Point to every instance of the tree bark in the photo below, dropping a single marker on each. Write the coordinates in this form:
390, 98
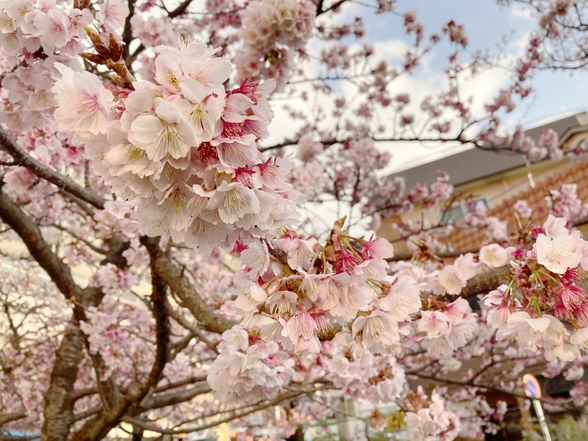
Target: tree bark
59, 400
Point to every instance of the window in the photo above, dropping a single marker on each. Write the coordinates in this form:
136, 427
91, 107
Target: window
456, 213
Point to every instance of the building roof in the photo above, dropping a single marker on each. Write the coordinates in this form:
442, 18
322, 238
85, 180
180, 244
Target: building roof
576, 173
474, 164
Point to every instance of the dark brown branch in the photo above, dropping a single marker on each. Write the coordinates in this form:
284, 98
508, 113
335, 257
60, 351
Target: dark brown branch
320, 10
193, 329
162, 328
179, 383
31, 235
86, 413
21, 157
482, 283
181, 9
84, 393
179, 283
132, 57
127, 35
164, 400
6, 418
458, 138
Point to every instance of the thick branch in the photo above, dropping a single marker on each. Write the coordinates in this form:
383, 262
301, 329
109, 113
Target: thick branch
162, 329
169, 399
31, 235
182, 7
6, 418
482, 283
193, 329
21, 157
179, 283
180, 383
127, 34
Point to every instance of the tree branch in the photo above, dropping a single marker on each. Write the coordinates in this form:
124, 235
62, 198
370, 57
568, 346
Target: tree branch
99, 426
231, 416
179, 283
487, 281
21, 157
180, 9
31, 235
127, 35
320, 10
6, 418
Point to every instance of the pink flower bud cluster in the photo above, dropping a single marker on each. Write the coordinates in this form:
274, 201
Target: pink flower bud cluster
111, 278
272, 31
478, 217
294, 289
534, 150
248, 369
34, 25
183, 150
544, 292
59, 33
389, 197
29, 102
523, 208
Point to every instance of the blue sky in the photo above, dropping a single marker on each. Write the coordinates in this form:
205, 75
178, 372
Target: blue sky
557, 93
486, 25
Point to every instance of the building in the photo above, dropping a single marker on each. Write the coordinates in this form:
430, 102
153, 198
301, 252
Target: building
498, 179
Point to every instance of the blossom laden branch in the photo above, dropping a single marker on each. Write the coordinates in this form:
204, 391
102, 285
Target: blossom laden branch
21, 157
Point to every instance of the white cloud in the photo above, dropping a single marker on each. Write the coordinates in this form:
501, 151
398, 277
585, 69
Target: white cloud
518, 12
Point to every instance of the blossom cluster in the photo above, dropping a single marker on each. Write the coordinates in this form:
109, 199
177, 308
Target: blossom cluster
447, 327
248, 369
544, 306
272, 31
294, 289
183, 150
60, 34
430, 420
378, 379
477, 417
565, 203
115, 219
154, 31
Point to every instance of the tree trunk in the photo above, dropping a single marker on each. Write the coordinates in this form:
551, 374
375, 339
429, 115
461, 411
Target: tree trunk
298, 436
58, 409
